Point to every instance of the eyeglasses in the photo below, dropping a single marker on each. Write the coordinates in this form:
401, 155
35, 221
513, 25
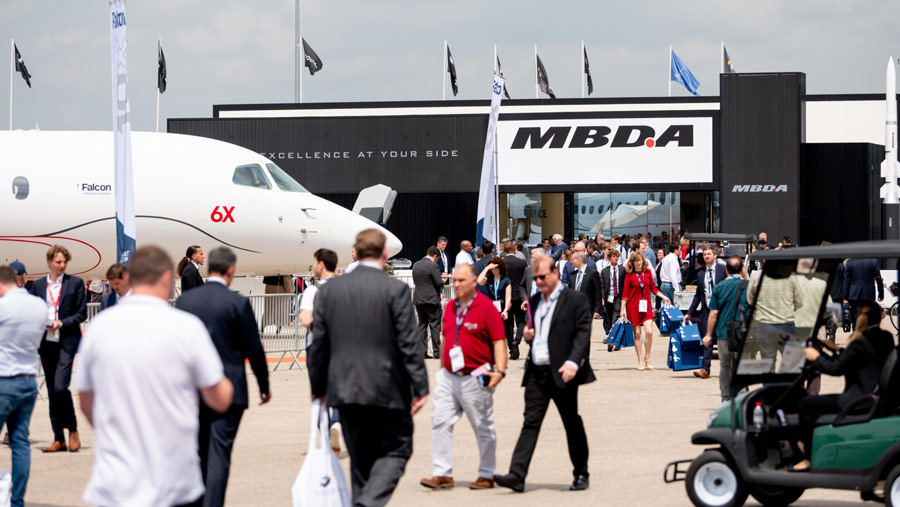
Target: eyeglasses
541, 277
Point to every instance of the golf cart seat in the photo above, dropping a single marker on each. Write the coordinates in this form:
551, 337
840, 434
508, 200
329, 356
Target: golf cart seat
883, 401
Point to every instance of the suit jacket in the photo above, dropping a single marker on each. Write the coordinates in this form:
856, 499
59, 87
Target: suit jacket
606, 281
590, 287
190, 278
109, 300
569, 339
444, 267
232, 326
366, 351
72, 309
700, 295
427, 281
860, 279
515, 270
569, 269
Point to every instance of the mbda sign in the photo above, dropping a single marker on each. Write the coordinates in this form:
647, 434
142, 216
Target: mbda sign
598, 151
759, 188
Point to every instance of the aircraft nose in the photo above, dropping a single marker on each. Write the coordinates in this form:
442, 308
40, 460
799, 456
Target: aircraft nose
394, 245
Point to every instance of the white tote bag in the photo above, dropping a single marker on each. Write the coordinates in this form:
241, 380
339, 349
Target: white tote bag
5, 488
320, 482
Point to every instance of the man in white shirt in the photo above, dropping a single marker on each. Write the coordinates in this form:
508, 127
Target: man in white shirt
353, 265
143, 367
465, 254
23, 318
670, 273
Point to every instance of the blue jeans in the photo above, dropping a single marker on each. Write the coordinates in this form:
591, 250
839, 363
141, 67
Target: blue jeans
668, 290
17, 397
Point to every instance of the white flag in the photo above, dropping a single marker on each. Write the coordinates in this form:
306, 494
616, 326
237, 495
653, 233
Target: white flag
487, 227
124, 185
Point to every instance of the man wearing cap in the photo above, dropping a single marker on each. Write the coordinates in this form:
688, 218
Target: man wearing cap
19, 268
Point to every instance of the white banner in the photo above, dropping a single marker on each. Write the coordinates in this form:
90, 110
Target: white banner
124, 185
598, 151
487, 226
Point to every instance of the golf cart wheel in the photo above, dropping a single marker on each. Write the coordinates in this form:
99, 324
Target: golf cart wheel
713, 481
775, 496
892, 488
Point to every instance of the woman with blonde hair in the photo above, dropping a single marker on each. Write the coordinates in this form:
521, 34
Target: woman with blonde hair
636, 305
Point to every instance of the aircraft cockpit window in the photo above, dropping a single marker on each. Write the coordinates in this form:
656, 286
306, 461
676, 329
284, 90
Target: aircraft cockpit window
251, 175
284, 180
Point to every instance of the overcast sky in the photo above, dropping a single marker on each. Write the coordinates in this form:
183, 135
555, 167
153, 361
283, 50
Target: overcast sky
233, 52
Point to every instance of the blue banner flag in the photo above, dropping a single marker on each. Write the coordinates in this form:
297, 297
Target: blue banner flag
486, 228
124, 185
681, 74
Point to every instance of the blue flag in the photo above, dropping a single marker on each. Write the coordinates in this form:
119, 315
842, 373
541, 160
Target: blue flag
486, 227
681, 74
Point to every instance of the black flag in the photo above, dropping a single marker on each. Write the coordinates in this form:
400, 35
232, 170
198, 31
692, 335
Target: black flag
587, 70
451, 68
161, 71
500, 71
729, 68
20, 67
313, 62
542, 78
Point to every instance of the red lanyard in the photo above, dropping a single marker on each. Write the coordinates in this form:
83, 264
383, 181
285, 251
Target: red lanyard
55, 302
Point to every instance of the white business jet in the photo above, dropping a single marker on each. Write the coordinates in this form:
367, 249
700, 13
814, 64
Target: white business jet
187, 190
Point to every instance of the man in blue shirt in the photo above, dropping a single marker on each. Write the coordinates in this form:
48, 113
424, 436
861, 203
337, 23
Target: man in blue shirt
723, 308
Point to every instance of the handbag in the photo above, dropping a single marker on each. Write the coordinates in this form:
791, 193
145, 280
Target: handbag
736, 329
320, 482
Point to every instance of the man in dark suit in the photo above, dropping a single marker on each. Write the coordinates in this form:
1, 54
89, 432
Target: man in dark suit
427, 298
118, 278
67, 309
232, 326
586, 280
443, 261
612, 283
487, 249
708, 277
861, 277
367, 361
189, 268
556, 365
515, 270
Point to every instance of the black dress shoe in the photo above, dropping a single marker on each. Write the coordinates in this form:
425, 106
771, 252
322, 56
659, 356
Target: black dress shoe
513, 482
514, 352
580, 483
609, 348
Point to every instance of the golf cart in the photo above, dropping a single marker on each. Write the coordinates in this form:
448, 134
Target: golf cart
725, 244
751, 441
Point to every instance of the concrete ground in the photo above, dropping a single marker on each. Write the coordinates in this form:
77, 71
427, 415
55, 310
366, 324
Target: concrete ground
636, 421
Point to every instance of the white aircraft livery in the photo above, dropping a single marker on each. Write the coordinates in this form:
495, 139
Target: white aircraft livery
187, 191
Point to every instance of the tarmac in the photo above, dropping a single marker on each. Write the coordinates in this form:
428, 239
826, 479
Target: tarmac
636, 422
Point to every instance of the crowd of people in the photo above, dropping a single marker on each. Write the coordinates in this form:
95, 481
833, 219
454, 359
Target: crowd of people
186, 372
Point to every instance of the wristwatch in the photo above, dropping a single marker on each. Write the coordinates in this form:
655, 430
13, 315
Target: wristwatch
502, 373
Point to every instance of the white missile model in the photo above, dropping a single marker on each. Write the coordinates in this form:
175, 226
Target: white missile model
889, 168
187, 191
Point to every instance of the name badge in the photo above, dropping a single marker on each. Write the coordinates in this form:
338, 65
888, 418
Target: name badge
497, 305
53, 336
611, 298
642, 306
456, 359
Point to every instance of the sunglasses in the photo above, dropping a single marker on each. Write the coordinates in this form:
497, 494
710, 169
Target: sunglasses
541, 277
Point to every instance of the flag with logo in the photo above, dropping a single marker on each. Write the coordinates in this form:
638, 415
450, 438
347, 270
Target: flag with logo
487, 226
500, 71
726, 60
542, 78
161, 70
311, 59
587, 71
20, 66
681, 74
126, 237
451, 68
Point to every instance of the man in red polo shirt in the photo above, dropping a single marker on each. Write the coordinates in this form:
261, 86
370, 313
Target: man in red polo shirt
474, 336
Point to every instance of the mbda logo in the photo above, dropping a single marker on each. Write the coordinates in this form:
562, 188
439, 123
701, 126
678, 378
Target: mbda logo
626, 136
759, 188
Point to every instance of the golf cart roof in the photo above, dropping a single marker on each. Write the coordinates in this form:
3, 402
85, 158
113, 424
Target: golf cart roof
860, 249
732, 238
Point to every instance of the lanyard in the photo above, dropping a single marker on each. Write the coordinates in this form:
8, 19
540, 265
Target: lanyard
460, 317
55, 302
496, 286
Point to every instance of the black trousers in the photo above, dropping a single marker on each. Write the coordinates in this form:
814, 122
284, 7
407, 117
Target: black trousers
611, 312
515, 318
57, 364
379, 441
539, 390
216, 440
810, 408
430, 318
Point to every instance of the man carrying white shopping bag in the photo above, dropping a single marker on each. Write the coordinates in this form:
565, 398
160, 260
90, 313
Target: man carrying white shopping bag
321, 481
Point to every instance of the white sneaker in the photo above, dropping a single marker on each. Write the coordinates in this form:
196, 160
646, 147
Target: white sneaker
335, 434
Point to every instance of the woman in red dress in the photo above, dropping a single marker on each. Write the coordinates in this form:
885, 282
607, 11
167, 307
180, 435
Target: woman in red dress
636, 306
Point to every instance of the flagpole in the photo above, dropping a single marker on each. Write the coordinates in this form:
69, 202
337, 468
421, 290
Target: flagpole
158, 49
536, 88
300, 71
496, 192
444, 73
298, 67
722, 58
670, 70
12, 71
582, 69
496, 70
